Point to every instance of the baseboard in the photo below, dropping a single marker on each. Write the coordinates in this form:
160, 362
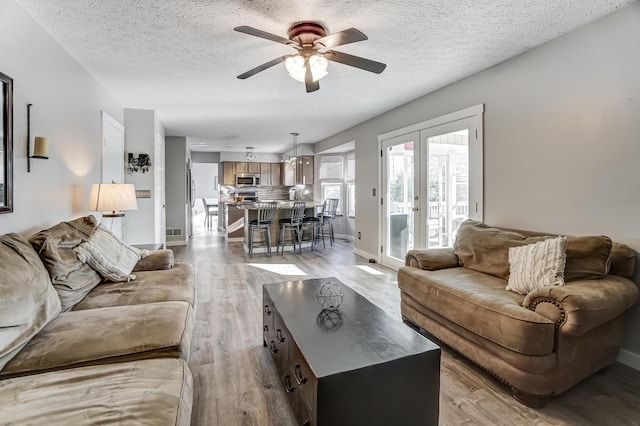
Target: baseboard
344, 237
176, 243
366, 255
629, 359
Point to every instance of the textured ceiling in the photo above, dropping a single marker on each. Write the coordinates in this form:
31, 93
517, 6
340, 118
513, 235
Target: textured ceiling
181, 57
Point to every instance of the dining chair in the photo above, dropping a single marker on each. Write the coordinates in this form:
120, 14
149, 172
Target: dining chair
294, 225
330, 214
210, 210
317, 222
266, 214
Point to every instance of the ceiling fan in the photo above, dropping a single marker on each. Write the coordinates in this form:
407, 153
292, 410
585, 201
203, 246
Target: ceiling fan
311, 41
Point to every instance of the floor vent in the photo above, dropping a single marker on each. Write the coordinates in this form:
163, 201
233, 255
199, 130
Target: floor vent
174, 231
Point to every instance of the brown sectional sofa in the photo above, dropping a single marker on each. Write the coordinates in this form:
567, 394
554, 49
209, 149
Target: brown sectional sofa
117, 355
539, 344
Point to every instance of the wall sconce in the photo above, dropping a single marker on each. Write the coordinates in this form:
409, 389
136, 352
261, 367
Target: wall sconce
140, 163
40, 144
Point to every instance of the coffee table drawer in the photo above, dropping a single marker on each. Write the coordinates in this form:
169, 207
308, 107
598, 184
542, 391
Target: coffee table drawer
282, 340
303, 376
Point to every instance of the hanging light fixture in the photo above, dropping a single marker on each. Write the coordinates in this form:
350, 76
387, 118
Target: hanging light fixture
292, 160
251, 156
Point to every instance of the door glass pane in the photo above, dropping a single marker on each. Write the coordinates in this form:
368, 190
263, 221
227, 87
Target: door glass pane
400, 199
448, 186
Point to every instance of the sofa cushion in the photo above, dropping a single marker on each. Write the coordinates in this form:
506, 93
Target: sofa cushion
486, 249
107, 335
149, 392
164, 285
537, 265
109, 256
27, 299
71, 278
479, 303
588, 258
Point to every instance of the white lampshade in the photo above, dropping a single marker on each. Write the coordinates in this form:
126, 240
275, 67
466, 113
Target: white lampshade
112, 197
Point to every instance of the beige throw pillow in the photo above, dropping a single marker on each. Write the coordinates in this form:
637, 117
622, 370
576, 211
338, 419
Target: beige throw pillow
28, 301
109, 256
537, 265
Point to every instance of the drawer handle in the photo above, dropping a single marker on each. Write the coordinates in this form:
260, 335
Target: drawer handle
273, 348
297, 372
267, 311
287, 384
279, 336
266, 328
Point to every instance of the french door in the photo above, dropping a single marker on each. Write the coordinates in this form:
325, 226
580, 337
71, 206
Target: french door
432, 181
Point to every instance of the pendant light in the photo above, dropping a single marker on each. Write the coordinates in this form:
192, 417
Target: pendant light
251, 156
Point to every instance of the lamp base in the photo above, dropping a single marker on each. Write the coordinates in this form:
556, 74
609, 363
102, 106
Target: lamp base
112, 214
115, 224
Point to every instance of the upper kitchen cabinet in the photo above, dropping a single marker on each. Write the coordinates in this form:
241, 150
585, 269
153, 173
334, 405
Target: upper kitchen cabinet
265, 174
302, 174
246, 167
276, 174
228, 173
304, 170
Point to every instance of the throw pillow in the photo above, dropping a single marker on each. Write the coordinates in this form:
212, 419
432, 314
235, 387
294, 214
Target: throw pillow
109, 256
28, 301
537, 265
71, 278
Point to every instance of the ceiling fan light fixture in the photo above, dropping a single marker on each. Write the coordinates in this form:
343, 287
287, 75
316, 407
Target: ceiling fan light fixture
297, 67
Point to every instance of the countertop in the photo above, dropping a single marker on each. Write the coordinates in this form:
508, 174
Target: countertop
281, 204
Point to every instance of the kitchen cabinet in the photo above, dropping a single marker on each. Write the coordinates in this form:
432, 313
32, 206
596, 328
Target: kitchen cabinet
289, 178
304, 170
242, 167
265, 175
247, 167
276, 174
228, 173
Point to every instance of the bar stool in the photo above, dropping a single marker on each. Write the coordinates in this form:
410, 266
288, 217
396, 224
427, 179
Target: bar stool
294, 224
317, 222
330, 214
266, 215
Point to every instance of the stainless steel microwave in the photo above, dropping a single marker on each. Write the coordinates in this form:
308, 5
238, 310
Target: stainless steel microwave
246, 179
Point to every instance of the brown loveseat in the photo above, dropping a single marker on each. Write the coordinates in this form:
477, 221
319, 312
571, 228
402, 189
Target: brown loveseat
77, 350
539, 344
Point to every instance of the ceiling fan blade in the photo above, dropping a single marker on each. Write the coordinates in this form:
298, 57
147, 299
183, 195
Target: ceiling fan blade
343, 37
355, 61
263, 34
262, 67
311, 85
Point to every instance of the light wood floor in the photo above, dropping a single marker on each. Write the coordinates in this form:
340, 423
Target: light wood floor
235, 382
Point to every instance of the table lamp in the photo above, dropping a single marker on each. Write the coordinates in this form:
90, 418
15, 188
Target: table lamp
113, 199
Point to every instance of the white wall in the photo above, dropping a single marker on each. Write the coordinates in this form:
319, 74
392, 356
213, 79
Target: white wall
176, 188
66, 109
204, 176
561, 138
140, 130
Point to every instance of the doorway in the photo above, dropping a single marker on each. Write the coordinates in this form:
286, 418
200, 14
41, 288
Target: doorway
432, 182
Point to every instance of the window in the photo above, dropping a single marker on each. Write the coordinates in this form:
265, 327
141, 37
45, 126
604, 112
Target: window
337, 180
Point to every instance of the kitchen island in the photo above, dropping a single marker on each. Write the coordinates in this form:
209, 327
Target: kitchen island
283, 210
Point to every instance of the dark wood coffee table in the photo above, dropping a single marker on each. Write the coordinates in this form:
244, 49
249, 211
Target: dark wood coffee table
352, 366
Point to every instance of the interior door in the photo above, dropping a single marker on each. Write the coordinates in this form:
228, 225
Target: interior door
112, 150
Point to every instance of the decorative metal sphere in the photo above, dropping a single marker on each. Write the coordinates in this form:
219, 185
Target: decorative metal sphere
330, 295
